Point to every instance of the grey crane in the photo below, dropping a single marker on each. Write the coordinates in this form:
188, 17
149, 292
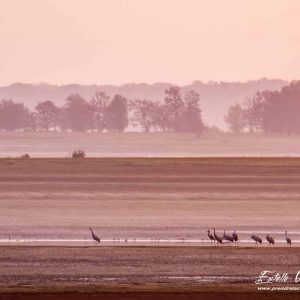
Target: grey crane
217, 238
270, 239
256, 238
227, 237
211, 237
288, 240
235, 237
95, 237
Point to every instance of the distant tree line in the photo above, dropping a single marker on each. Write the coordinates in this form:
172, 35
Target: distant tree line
77, 114
269, 112
179, 112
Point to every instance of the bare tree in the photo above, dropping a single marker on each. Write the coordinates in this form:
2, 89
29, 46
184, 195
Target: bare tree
145, 113
192, 121
161, 117
99, 104
47, 114
174, 105
253, 112
78, 113
117, 114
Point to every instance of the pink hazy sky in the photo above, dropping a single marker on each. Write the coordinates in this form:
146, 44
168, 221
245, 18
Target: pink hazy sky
115, 41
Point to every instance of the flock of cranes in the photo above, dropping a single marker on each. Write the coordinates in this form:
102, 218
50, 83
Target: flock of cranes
235, 238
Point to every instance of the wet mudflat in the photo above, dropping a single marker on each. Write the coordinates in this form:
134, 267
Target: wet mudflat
99, 269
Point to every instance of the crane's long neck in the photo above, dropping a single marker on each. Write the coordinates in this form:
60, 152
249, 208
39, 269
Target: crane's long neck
91, 230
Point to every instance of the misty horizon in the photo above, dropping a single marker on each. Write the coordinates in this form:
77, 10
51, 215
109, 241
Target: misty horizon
148, 41
215, 97
126, 83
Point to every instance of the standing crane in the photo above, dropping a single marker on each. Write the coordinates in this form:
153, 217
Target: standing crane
211, 237
217, 238
256, 238
235, 237
95, 237
270, 239
227, 237
288, 240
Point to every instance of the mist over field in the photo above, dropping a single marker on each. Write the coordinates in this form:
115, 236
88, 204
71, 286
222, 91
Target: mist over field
62, 144
266, 123
215, 97
149, 149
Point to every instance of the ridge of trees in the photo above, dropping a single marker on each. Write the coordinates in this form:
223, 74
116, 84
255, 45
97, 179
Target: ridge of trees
179, 112
268, 112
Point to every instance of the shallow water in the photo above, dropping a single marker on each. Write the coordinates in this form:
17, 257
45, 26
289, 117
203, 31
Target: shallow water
142, 241
170, 279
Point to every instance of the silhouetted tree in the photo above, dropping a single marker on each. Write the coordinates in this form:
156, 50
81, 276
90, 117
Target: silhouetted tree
192, 121
175, 114
78, 113
117, 114
281, 110
235, 118
14, 116
145, 113
161, 117
47, 115
174, 107
253, 112
99, 105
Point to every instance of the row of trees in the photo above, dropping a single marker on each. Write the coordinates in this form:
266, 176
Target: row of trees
268, 112
77, 114
178, 112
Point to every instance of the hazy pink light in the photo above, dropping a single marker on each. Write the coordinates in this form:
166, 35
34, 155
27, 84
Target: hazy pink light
115, 41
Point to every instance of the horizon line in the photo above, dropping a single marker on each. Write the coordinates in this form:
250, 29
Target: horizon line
206, 82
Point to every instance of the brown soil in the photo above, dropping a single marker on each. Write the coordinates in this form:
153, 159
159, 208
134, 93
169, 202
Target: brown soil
140, 272
150, 198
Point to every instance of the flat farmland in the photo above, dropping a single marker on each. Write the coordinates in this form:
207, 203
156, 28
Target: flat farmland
148, 197
48, 205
